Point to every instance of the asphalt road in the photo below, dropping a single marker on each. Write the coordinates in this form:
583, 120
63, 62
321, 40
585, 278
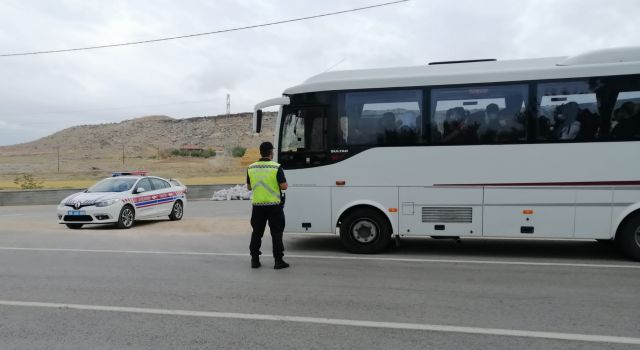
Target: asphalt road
188, 285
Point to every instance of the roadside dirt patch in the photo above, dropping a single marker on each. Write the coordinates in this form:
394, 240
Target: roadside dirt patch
228, 226
218, 226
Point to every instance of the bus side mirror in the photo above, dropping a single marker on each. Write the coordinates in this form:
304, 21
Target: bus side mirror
257, 121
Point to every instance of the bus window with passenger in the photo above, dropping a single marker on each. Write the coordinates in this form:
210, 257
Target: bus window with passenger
479, 114
380, 118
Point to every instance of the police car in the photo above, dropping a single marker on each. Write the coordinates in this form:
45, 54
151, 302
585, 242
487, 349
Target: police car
122, 199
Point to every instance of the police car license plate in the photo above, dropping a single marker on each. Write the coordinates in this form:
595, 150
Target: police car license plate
76, 212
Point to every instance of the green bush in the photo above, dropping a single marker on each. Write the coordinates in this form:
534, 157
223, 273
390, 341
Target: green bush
238, 151
179, 153
208, 153
27, 182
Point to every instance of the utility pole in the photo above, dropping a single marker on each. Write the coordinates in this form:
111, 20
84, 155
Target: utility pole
228, 105
123, 156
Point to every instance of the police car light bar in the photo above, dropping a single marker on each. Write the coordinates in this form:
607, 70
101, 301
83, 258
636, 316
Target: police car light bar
123, 173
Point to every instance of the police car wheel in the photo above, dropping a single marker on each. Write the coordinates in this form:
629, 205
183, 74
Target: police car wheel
126, 217
628, 238
74, 226
177, 212
365, 231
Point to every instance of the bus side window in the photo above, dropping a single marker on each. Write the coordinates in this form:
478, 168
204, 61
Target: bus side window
472, 115
380, 118
567, 110
625, 114
626, 120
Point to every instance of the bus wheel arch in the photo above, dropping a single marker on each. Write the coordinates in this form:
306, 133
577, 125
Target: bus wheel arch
628, 235
365, 229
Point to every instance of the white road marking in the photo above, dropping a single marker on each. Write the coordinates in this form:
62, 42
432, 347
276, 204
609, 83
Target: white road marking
337, 322
336, 257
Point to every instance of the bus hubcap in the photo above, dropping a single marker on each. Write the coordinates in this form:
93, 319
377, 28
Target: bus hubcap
364, 231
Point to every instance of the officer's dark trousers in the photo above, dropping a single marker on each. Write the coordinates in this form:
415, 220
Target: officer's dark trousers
260, 215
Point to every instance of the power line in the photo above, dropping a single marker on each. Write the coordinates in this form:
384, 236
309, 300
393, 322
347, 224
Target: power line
335, 65
206, 33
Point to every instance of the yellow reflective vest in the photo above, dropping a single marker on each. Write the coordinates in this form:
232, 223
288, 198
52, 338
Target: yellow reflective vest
264, 183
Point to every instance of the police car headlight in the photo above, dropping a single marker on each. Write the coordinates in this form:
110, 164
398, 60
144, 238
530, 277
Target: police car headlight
107, 203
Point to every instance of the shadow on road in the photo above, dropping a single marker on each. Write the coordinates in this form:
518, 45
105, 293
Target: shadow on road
473, 248
140, 223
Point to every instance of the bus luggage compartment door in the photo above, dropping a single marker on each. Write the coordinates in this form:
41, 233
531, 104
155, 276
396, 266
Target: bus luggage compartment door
529, 212
440, 211
307, 209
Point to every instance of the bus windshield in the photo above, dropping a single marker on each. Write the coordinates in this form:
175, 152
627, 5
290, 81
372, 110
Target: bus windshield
303, 135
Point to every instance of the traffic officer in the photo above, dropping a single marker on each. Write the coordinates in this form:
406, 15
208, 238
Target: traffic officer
267, 181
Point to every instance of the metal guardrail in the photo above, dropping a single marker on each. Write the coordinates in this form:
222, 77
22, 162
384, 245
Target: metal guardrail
43, 197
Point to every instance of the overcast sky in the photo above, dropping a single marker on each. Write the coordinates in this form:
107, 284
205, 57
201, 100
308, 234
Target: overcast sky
191, 77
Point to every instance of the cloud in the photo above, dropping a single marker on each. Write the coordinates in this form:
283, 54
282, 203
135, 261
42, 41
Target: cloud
10, 126
12, 133
46, 93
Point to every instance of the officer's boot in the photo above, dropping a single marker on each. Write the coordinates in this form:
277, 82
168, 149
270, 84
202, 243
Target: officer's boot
255, 262
280, 264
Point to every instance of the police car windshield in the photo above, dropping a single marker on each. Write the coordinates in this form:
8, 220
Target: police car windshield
113, 185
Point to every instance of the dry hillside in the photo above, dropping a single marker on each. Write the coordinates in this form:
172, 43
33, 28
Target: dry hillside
149, 134
88, 151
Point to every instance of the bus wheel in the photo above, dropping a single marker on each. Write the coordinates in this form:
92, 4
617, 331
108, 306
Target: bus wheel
628, 239
365, 231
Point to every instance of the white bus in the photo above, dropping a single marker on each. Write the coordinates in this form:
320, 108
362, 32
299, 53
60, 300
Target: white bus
528, 148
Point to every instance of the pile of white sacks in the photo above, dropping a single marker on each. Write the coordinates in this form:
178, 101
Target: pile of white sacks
233, 193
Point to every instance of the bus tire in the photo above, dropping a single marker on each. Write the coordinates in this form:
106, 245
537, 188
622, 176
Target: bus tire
74, 226
126, 218
177, 211
365, 231
628, 238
